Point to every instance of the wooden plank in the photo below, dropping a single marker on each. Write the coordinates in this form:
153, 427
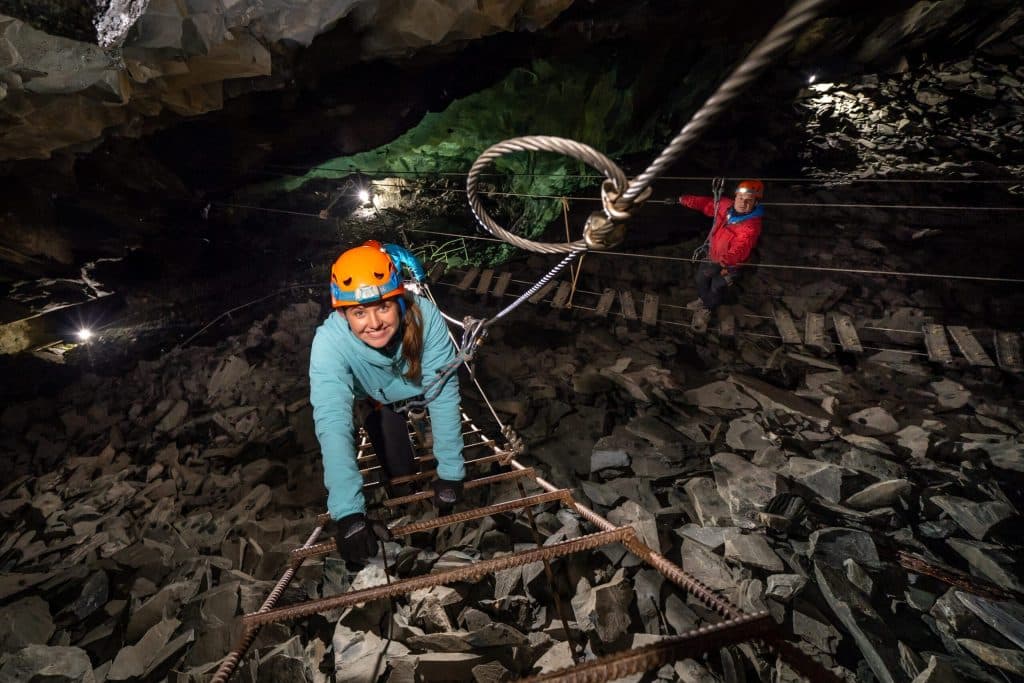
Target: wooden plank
562, 295
436, 271
970, 346
468, 278
503, 280
814, 332
787, 328
726, 321
1008, 351
485, 282
626, 301
936, 343
539, 295
604, 304
649, 316
847, 333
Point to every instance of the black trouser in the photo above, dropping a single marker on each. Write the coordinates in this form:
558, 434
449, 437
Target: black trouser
389, 434
711, 286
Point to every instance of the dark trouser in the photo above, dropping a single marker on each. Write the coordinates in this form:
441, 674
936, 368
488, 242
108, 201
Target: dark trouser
389, 434
711, 286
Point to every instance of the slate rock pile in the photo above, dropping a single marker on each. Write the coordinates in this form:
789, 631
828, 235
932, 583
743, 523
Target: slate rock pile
932, 121
796, 492
150, 511
142, 513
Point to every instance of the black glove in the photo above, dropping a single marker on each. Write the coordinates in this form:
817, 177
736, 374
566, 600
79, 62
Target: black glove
447, 493
357, 537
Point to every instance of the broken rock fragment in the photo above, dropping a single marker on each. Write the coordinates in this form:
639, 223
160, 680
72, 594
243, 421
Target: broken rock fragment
745, 487
604, 608
50, 664
874, 421
974, 518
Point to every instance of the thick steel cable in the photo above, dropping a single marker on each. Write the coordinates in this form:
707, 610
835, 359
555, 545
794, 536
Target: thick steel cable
778, 39
537, 143
573, 255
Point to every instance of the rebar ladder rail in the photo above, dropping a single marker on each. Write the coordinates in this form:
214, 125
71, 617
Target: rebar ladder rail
735, 627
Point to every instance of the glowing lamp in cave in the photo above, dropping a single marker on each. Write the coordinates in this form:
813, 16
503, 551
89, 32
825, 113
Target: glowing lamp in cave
812, 78
364, 196
84, 334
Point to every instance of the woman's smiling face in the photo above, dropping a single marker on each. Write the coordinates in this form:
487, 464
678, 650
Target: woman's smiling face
375, 324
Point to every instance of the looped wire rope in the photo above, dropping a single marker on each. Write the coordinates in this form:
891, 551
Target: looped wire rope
628, 194
539, 143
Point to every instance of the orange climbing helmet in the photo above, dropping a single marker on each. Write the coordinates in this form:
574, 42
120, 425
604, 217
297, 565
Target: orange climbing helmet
364, 274
754, 187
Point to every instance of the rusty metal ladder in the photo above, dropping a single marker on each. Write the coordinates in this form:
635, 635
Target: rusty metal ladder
735, 627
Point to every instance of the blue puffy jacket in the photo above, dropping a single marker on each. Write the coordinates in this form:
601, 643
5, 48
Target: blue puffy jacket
342, 369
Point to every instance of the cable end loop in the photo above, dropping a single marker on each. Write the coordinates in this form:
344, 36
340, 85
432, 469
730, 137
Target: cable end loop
608, 229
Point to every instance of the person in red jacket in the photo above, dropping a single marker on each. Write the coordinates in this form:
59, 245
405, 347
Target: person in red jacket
733, 236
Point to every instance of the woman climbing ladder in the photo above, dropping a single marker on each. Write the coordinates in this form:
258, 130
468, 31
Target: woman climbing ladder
377, 346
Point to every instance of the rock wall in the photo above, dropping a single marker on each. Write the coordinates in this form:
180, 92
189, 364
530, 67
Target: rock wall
59, 91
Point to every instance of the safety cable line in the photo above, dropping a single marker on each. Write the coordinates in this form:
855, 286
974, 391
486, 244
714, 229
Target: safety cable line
673, 202
857, 271
590, 176
512, 174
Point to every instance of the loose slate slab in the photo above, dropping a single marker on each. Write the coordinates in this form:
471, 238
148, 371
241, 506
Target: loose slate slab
875, 641
25, 622
847, 333
873, 421
974, 518
745, 487
1005, 617
774, 399
721, 394
752, 549
969, 346
42, 663
988, 560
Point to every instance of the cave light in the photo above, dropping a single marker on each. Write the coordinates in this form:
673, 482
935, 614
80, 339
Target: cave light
811, 78
84, 334
364, 196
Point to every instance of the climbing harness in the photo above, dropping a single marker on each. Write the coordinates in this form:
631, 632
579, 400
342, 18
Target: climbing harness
701, 252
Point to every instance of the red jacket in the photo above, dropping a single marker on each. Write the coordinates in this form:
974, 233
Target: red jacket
732, 237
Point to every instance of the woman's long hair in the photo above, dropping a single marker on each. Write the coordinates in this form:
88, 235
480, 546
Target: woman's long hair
412, 339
